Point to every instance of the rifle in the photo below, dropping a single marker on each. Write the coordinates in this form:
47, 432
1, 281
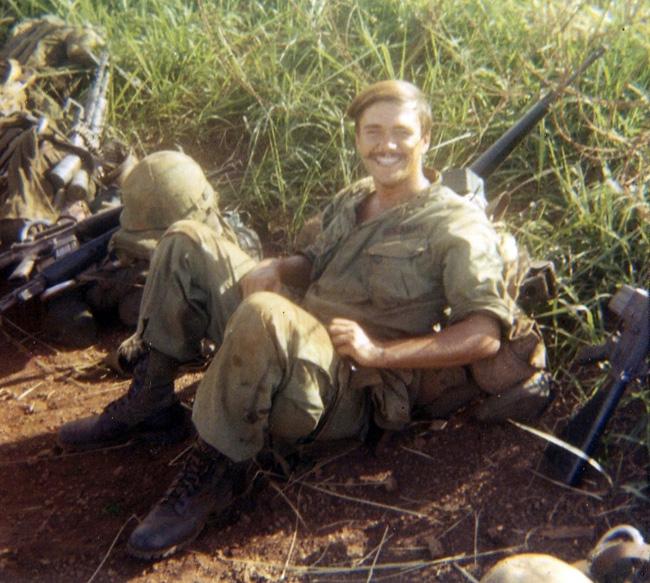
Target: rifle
56, 241
626, 351
60, 272
539, 284
86, 131
469, 181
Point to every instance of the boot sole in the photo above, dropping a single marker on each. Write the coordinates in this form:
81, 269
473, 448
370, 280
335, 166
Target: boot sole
162, 553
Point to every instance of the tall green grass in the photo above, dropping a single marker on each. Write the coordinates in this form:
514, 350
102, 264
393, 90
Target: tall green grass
257, 90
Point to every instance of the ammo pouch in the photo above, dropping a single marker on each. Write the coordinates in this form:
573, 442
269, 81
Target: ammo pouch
521, 355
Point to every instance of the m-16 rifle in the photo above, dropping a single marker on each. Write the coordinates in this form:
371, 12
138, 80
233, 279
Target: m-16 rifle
469, 181
60, 272
86, 133
53, 243
627, 351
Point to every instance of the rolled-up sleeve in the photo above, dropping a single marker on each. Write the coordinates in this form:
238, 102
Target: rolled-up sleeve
473, 271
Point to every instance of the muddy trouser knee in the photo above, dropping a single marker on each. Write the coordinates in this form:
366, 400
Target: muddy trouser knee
192, 289
275, 375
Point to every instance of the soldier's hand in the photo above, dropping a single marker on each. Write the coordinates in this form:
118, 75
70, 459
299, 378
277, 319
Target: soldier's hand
349, 339
265, 276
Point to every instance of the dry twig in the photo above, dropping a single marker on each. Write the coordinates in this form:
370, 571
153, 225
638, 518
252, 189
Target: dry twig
374, 561
290, 553
110, 549
289, 503
367, 502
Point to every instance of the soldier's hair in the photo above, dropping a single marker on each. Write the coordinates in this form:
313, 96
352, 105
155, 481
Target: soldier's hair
396, 92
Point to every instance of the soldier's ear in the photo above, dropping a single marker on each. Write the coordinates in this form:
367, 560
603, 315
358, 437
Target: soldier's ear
427, 142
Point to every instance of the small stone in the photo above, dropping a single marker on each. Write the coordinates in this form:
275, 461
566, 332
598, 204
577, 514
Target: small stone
434, 546
419, 442
390, 484
438, 424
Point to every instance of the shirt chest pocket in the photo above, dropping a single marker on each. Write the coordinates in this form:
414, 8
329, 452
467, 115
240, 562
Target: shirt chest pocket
398, 272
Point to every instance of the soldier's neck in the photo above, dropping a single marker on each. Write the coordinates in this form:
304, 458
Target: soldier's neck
387, 197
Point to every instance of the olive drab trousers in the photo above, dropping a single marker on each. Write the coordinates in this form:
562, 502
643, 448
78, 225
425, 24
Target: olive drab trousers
276, 373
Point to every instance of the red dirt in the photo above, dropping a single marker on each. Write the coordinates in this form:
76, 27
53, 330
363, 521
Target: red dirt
422, 505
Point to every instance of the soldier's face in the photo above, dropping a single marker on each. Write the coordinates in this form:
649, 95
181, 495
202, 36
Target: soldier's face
390, 142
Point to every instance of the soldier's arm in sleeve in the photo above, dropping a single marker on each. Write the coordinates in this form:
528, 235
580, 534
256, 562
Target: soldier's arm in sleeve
473, 338
473, 283
295, 271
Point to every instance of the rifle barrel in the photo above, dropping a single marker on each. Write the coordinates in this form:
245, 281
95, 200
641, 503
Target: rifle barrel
492, 158
96, 89
73, 263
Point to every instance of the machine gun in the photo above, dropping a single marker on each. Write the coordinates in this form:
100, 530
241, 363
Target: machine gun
86, 132
60, 272
469, 181
54, 242
626, 350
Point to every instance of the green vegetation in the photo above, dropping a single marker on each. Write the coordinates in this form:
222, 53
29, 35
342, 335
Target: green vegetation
257, 92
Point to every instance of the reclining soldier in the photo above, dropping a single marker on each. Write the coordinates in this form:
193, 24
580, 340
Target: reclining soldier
404, 289
163, 188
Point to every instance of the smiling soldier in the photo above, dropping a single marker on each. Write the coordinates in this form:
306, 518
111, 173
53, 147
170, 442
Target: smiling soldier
399, 255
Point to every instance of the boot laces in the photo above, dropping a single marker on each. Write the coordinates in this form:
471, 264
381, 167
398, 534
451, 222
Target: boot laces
125, 401
198, 468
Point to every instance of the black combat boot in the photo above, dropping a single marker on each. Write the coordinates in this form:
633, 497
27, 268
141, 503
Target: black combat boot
207, 483
149, 410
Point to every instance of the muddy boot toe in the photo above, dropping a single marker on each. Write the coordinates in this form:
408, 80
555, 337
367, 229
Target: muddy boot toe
206, 483
149, 408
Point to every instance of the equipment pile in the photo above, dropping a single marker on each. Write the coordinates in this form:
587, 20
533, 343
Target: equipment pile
62, 185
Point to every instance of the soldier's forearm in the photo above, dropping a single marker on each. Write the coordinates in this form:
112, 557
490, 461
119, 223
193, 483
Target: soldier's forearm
475, 338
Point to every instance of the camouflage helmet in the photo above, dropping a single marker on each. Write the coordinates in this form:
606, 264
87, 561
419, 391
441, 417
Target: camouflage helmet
163, 188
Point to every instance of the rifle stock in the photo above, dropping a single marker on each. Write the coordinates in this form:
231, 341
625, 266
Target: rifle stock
627, 359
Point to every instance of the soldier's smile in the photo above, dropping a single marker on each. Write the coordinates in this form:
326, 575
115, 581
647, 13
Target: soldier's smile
390, 142
386, 160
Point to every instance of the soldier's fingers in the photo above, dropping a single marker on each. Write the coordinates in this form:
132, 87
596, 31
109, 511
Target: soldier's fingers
341, 321
344, 350
340, 326
337, 338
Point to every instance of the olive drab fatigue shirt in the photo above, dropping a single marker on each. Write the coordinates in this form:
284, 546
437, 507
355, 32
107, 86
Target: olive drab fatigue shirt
430, 261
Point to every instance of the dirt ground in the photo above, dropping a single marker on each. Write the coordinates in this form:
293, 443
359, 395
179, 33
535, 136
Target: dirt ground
440, 502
